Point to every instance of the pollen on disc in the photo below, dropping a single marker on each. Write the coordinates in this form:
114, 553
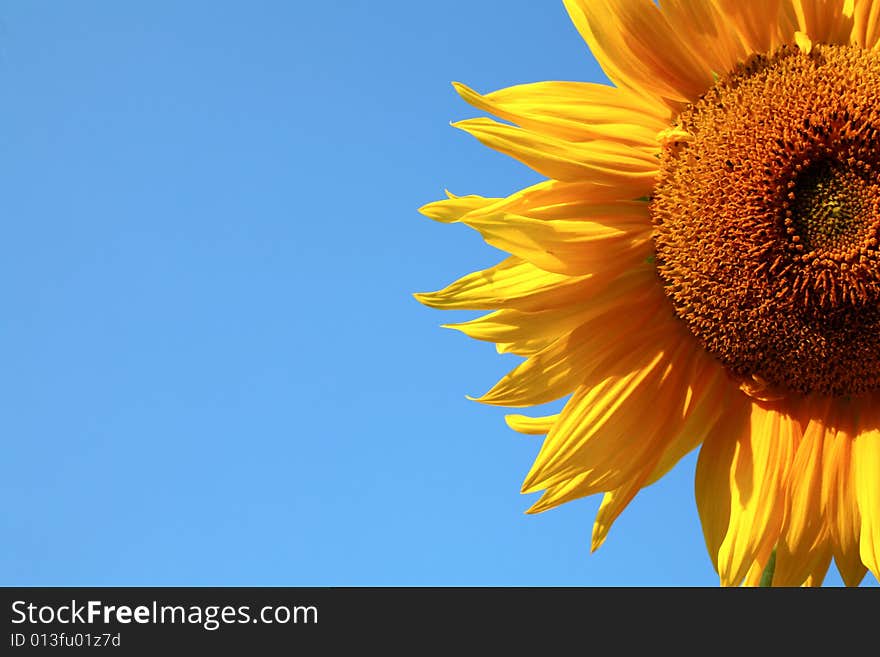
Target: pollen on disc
767, 218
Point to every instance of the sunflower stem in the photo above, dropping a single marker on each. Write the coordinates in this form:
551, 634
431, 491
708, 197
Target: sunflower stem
769, 569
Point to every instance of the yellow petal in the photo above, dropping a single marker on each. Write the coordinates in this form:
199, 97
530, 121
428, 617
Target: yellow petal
512, 283
553, 199
802, 543
866, 475
804, 521
755, 575
741, 488
453, 209
711, 484
707, 31
549, 200
798, 568
561, 493
528, 332
556, 370
839, 505
817, 575
531, 426
701, 405
761, 25
602, 161
613, 504
568, 246
514, 326
850, 567
639, 50
550, 374
825, 21
816, 570
526, 347
803, 42
603, 433
710, 391
574, 111
866, 23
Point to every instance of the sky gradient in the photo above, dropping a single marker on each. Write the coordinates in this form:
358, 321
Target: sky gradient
214, 372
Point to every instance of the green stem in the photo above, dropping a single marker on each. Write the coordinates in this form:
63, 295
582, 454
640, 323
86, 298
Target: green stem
769, 569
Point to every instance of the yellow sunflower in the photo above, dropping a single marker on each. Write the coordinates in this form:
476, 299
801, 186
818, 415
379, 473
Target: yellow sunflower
702, 268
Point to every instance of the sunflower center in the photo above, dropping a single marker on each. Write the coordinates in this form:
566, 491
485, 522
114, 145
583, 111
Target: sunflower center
767, 218
831, 204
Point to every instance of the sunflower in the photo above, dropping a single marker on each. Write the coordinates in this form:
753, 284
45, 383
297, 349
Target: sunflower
701, 269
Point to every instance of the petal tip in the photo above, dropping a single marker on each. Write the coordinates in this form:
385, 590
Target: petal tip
427, 299
803, 42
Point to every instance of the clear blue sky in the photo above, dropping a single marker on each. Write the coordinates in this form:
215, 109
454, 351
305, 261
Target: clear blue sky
213, 369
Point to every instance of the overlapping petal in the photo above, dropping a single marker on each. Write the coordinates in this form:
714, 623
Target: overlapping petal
866, 475
454, 208
512, 326
602, 434
569, 359
708, 32
866, 24
575, 111
607, 162
825, 21
761, 26
639, 50
706, 396
741, 487
569, 246
838, 501
804, 543
512, 283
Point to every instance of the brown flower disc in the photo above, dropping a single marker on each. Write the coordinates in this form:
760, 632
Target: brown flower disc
767, 214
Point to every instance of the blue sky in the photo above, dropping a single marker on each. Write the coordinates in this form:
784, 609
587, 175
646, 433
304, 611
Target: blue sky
213, 370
